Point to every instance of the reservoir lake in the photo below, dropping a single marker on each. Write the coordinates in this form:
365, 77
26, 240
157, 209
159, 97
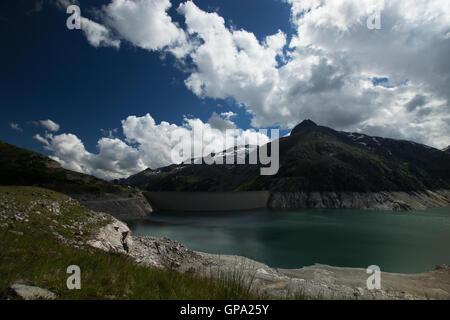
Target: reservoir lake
401, 242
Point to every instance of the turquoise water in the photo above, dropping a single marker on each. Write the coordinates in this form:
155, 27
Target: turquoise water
405, 242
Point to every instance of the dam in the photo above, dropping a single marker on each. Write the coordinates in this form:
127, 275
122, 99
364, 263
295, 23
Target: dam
207, 201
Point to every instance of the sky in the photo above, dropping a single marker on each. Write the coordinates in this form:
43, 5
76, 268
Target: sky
106, 99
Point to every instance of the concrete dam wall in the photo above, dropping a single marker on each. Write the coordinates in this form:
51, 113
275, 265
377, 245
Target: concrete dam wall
207, 201
122, 207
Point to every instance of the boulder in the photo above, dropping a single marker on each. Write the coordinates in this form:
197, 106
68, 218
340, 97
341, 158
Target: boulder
114, 237
32, 293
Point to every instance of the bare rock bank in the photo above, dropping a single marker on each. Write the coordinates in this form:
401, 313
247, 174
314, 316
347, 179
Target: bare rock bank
313, 282
114, 237
388, 200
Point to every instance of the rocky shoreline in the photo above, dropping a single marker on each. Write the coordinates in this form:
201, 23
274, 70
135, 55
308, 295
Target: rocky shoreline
313, 282
137, 206
386, 200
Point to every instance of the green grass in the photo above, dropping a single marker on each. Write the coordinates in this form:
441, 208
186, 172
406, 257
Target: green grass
185, 182
38, 258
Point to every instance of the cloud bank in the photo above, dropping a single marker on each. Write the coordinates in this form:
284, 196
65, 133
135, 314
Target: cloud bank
325, 72
146, 144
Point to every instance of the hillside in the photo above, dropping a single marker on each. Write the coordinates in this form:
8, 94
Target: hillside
316, 159
43, 232
22, 167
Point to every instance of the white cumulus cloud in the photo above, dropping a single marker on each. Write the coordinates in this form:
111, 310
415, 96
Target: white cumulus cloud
328, 70
97, 34
147, 144
144, 23
325, 72
49, 125
15, 126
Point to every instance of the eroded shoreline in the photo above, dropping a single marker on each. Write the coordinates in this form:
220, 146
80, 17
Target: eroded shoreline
384, 200
312, 282
140, 205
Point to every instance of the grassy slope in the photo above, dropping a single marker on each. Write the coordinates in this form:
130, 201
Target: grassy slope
38, 258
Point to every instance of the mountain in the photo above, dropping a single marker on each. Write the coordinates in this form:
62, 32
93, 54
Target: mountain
239, 153
198, 177
316, 159
322, 167
446, 149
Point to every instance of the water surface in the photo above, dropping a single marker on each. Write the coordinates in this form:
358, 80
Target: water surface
405, 242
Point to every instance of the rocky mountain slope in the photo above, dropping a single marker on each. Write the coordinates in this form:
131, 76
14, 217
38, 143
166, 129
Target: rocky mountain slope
21, 167
322, 167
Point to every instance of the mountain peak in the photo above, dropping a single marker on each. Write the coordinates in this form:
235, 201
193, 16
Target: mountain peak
304, 124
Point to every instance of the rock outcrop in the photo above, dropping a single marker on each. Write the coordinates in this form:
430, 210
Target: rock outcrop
114, 237
166, 253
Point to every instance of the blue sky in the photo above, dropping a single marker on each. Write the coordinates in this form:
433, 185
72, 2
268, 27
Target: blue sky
50, 72
216, 64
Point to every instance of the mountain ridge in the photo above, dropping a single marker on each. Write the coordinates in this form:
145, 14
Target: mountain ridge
316, 159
